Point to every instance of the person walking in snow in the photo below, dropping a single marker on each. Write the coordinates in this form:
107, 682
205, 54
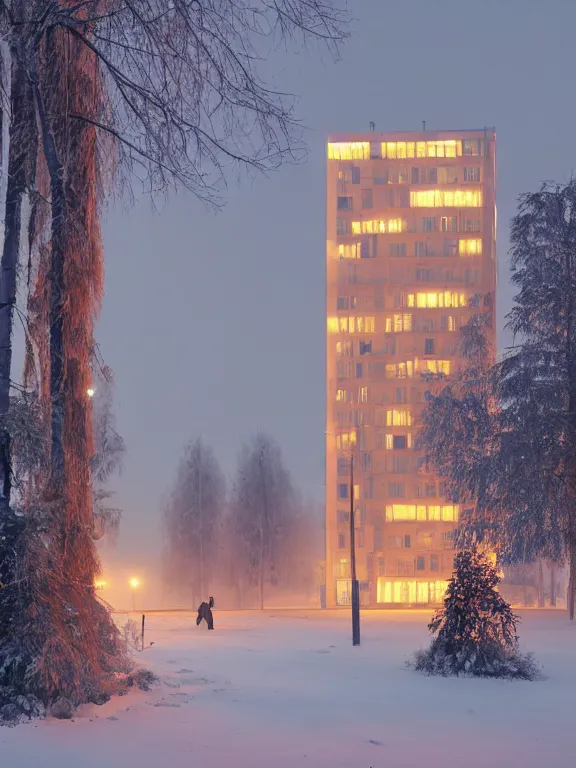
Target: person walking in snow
205, 612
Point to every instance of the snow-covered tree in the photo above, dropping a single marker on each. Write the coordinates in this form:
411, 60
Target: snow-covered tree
475, 631
505, 435
192, 521
264, 510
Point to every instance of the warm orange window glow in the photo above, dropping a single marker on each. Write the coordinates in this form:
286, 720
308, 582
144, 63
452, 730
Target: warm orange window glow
400, 370
378, 227
398, 417
447, 513
470, 247
410, 591
349, 251
393, 150
434, 299
398, 323
351, 324
446, 198
345, 440
349, 150
433, 366
342, 395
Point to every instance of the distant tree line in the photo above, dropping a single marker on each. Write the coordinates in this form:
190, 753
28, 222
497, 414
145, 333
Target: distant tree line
251, 541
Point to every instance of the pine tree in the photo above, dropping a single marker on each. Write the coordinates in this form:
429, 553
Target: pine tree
475, 631
504, 435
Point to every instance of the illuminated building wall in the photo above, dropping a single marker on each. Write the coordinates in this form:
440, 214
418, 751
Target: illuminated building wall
411, 224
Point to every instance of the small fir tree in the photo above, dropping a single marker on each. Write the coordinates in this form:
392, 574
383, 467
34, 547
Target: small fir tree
475, 631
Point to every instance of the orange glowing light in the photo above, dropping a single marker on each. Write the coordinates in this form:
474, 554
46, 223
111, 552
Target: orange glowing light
134, 583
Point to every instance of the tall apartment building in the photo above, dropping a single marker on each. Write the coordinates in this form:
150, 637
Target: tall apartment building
411, 254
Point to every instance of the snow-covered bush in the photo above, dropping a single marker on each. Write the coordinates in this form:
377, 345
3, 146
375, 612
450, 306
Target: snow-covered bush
475, 631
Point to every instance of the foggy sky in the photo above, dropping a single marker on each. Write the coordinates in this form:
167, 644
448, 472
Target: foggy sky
214, 324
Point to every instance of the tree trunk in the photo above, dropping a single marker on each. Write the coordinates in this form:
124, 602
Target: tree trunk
571, 596
18, 153
552, 584
540, 583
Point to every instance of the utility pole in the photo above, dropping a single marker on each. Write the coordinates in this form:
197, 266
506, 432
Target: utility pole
354, 580
201, 522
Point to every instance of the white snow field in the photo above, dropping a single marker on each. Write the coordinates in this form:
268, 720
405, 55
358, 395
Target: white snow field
282, 689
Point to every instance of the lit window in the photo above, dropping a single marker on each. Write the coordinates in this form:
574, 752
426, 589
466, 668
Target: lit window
345, 440
363, 394
398, 323
446, 198
342, 395
400, 512
437, 299
349, 150
375, 227
470, 247
349, 250
434, 366
333, 325
398, 417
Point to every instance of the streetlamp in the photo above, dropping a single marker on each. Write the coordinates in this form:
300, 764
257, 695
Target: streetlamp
134, 583
90, 392
354, 580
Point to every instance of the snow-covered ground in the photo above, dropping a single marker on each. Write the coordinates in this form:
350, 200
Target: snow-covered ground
286, 689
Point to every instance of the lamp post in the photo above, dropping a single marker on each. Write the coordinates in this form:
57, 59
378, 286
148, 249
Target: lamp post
354, 580
134, 584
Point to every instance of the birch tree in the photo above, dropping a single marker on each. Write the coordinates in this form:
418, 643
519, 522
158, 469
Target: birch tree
192, 523
105, 91
265, 510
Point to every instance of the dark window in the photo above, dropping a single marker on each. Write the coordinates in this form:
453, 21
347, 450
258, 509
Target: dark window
449, 223
358, 370
375, 150
343, 516
399, 442
428, 346
428, 224
342, 226
381, 566
343, 302
343, 468
397, 249
366, 198
471, 174
360, 537
341, 541
355, 175
420, 563
433, 176
378, 539
343, 490
450, 245
420, 249
415, 175
407, 542
434, 565
365, 347
344, 203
